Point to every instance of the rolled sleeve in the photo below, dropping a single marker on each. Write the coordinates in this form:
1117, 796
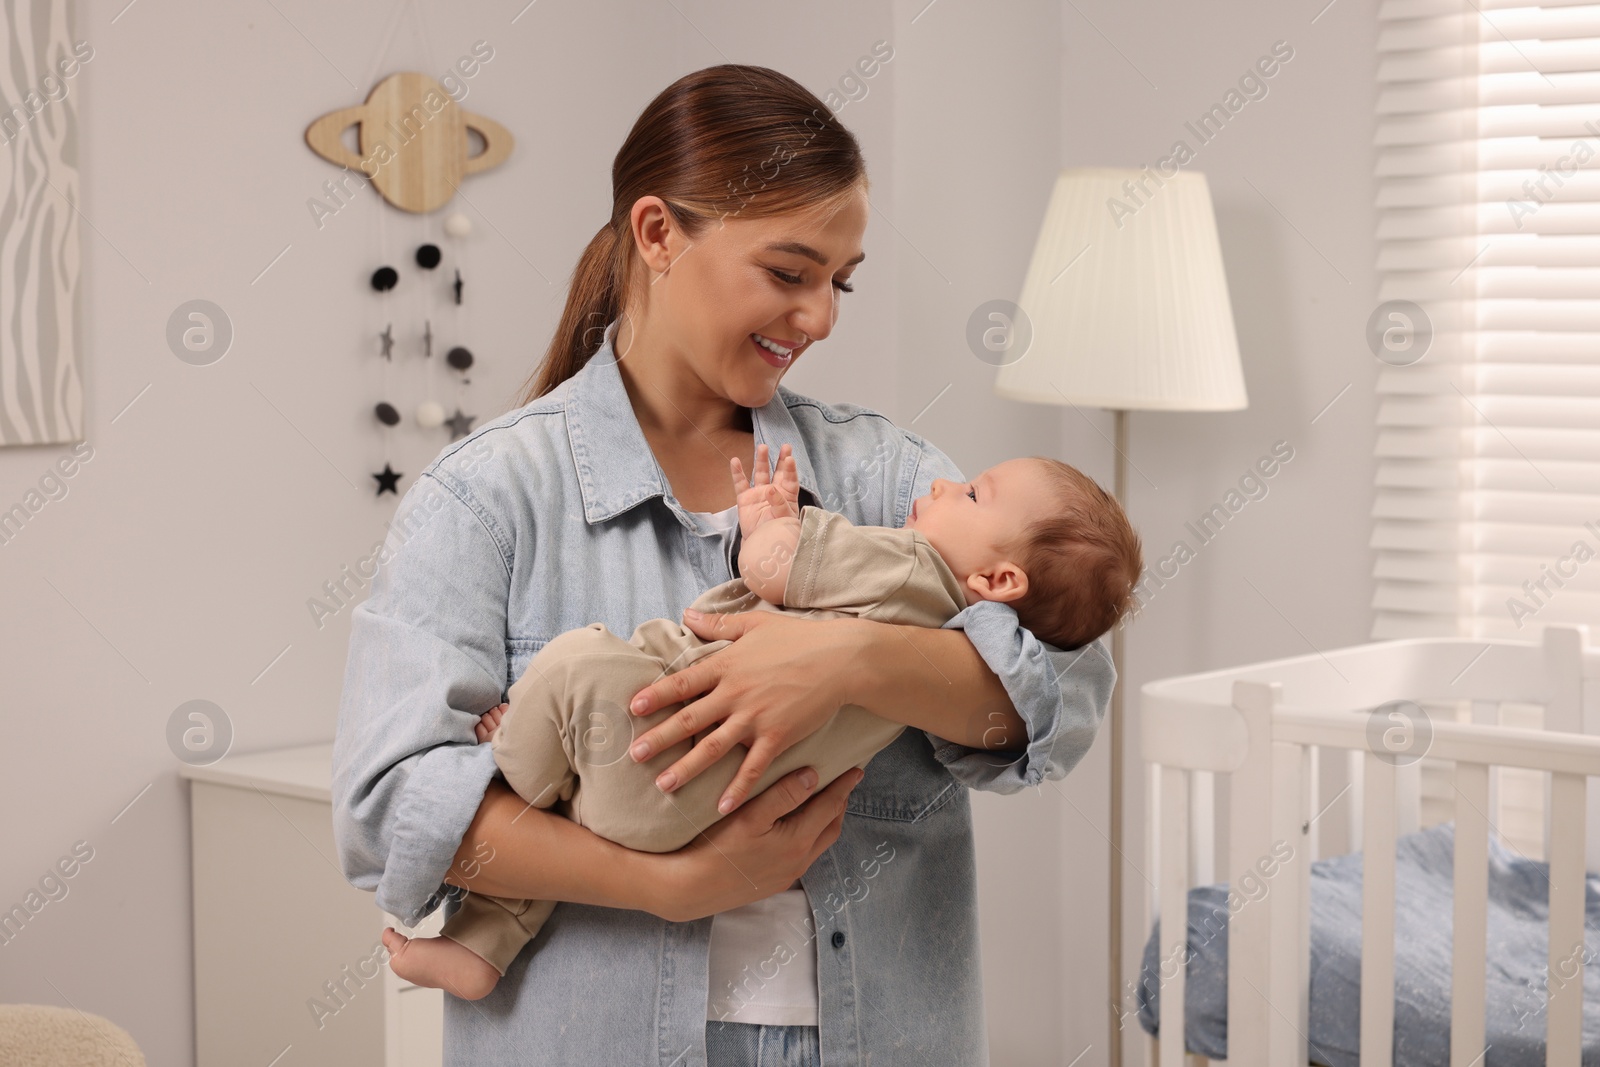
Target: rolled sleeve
427, 656
1061, 695
442, 793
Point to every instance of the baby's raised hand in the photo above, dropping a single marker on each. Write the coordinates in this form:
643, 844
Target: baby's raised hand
768, 496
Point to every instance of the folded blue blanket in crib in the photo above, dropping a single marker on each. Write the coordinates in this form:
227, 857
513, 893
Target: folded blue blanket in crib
1517, 964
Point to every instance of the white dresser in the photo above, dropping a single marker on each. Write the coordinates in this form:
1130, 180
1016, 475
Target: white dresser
288, 964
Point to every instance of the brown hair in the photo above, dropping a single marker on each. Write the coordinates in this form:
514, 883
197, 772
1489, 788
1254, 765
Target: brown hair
705, 146
1082, 561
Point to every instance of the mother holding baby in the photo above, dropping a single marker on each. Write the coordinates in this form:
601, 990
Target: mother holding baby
830, 922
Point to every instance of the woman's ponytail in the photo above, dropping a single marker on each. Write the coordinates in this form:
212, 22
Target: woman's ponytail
594, 299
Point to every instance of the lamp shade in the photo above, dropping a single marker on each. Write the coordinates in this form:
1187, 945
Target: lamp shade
1127, 298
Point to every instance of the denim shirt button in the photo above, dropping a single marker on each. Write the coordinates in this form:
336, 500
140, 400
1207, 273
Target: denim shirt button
838, 938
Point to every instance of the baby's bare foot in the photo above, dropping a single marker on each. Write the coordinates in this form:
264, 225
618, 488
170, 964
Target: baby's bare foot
440, 963
489, 722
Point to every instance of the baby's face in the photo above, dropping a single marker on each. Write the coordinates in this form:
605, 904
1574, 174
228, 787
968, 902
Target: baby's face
970, 523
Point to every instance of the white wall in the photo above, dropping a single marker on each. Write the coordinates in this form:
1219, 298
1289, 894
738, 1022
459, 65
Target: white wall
223, 497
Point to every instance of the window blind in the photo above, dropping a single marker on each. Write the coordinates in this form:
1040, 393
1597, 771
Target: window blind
1486, 516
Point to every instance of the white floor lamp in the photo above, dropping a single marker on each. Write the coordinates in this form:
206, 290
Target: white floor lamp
1128, 309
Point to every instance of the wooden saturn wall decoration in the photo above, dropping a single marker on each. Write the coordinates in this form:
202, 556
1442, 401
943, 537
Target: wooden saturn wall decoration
415, 153
421, 173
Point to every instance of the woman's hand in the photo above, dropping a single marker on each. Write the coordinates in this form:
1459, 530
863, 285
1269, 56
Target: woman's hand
758, 851
777, 684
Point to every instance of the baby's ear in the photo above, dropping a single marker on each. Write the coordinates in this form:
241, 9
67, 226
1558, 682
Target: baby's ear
1003, 582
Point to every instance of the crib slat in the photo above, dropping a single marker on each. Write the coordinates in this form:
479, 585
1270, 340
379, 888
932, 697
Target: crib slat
1377, 913
1357, 817
1312, 840
1149, 1054
1470, 906
1251, 1019
1408, 797
1305, 856
1202, 820
1564, 1014
1286, 867
1487, 713
1171, 963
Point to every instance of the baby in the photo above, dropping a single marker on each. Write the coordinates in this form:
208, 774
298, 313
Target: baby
1032, 532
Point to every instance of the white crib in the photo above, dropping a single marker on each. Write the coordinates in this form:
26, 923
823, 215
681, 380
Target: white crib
1262, 726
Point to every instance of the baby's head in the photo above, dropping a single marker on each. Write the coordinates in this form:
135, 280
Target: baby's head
1041, 536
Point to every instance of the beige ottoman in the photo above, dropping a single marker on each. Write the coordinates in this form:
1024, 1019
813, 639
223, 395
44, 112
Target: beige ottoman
33, 1035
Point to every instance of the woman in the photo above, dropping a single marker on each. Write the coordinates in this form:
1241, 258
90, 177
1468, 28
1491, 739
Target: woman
788, 932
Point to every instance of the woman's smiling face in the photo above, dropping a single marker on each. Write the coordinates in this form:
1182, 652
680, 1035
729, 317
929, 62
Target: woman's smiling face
779, 279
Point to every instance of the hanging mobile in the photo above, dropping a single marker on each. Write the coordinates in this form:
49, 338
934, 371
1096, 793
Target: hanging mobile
460, 424
426, 179
384, 279
430, 414
388, 479
458, 225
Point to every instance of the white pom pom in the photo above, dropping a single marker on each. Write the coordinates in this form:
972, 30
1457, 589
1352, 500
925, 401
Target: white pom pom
457, 225
430, 413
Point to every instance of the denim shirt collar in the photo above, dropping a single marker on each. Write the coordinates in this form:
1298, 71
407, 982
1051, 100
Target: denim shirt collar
616, 468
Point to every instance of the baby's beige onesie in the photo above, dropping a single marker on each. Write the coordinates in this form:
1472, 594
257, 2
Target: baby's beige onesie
564, 740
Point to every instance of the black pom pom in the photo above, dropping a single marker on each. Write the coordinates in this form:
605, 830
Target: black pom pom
459, 358
384, 278
386, 413
428, 257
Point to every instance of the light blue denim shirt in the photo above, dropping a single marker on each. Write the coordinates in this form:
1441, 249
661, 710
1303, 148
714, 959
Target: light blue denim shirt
556, 515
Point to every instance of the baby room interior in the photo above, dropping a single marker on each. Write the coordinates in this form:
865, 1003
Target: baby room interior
1307, 289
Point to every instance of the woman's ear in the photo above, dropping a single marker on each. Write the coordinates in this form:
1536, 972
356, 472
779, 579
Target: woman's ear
1003, 582
653, 231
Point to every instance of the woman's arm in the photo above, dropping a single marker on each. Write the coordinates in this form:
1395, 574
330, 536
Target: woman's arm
1045, 716
415, 804
513, 849
934, 680
408, 773
783, 678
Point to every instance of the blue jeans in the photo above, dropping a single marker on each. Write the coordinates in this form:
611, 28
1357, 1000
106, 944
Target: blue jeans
760, 1045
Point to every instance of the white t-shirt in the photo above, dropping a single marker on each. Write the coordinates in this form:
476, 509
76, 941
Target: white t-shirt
762, 966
